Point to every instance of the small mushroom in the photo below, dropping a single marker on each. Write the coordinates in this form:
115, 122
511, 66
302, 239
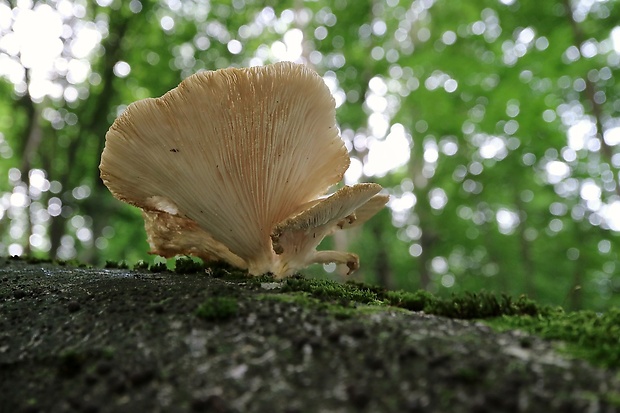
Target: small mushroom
233, 165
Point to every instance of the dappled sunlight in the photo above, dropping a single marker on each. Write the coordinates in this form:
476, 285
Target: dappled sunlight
385, 155
51, 44
507, 220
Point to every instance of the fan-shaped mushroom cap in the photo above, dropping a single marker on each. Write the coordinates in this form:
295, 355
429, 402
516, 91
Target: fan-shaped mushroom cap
219, 161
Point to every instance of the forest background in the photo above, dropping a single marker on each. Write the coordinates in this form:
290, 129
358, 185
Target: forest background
493, 124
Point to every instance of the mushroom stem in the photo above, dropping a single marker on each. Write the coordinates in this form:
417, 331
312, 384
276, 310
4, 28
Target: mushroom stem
338, 257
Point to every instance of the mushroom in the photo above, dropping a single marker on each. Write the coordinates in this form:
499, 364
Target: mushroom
233, 165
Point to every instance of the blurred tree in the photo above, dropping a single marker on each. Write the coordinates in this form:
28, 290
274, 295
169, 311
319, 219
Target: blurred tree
493, 124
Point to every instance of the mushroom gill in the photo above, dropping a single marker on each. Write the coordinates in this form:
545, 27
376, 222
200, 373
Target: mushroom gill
232, 164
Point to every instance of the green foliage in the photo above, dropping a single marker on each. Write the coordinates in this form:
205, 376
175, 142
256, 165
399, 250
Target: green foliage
218, 308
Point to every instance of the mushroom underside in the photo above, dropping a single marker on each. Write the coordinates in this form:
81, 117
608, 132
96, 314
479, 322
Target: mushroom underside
236, 150
232, 164
170, 235
293, 241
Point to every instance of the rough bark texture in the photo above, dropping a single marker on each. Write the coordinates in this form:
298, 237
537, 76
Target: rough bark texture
88, 340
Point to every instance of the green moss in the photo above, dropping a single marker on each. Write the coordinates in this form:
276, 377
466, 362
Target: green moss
218, 308
108, 352
285, 298
613, 398
329, 290
38, 260
482, 305
71, 362
158, 267
414, 301
32, 259
141, 266
304, 300
186, 265
337, 310
121, 265
467, 306
221, 269
588, 335
466, 374
266, 278
72, 263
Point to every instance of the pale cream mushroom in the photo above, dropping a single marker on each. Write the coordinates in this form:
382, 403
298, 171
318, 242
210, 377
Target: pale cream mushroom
232, 164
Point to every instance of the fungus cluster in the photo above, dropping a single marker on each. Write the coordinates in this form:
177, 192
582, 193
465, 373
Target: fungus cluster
234, 165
